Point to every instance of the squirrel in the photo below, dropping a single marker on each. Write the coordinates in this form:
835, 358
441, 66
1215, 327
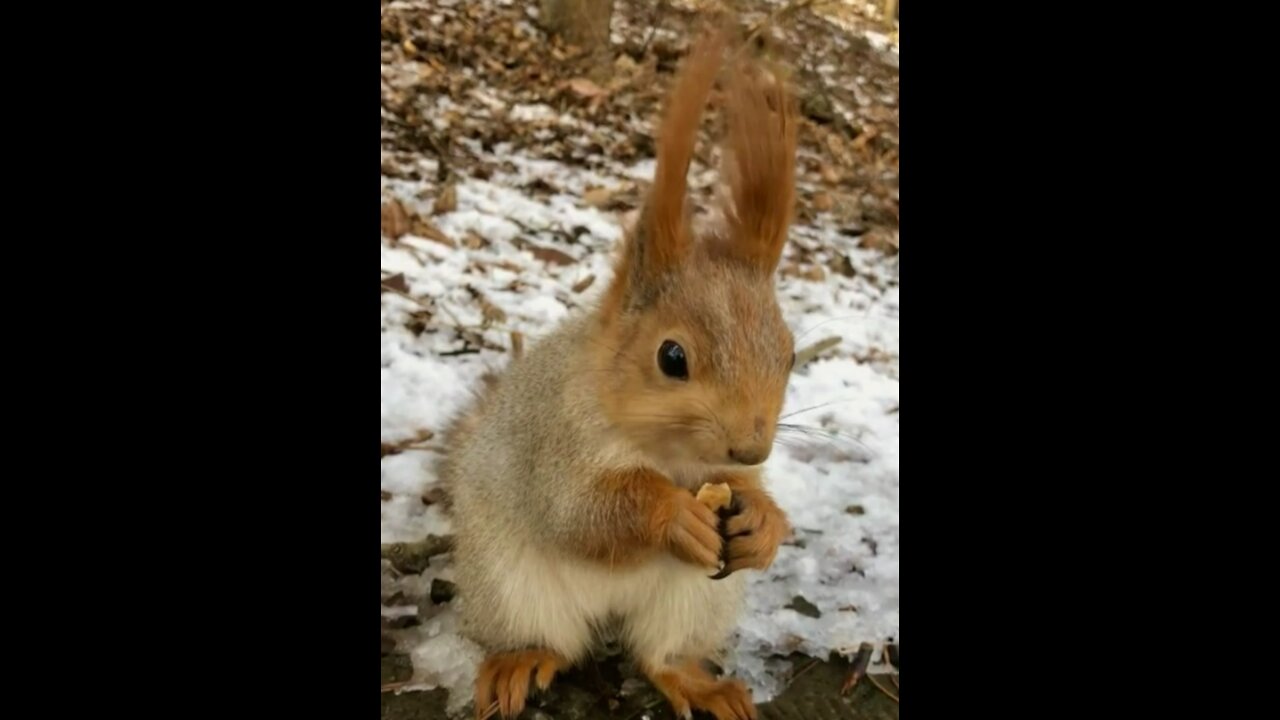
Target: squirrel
571, 476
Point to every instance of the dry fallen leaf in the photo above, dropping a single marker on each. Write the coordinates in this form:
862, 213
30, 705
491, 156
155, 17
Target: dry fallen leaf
447, 202
822, 202
550, 255
426, 230
395, 220
584, 283
597, 197
585, 88
879, 240
395, 282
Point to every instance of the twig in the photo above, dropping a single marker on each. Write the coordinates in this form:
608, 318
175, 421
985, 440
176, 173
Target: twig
493, 710
654, 20
390, 687
406, 296
464, 350
883, 689
802, 671
807, 354
859, 667
894, 678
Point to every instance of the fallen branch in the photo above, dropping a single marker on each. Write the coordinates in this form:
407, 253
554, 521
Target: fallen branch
881, 688
859, 667
392, 687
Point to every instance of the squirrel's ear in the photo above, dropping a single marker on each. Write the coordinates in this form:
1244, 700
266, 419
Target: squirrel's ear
759, 165
661, 239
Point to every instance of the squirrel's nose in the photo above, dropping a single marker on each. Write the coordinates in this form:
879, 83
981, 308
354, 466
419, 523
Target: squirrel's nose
750, 455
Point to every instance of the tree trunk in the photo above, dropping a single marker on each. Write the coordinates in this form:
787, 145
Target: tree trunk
584, 23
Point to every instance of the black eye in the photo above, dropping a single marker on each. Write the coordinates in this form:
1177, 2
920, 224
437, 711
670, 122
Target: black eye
671, 361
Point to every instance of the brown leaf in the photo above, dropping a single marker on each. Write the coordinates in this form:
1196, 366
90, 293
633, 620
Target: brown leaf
585, 88
801, 605
597, 197
830, 175
822, 202
424, 229
491, 313
879, 240
418, 321
447, 202
541, 186
517, 344
584, 283
860, 143
550, 254
434, 496
395, 220
625, 64
395, 282
473, 241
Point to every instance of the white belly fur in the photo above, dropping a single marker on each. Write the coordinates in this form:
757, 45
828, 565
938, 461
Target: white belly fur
670, 611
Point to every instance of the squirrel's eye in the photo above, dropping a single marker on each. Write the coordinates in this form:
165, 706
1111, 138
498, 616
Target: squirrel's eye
671, 361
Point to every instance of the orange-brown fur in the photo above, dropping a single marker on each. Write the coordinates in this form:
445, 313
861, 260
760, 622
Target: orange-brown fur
506, 677
649, 515
757, 530
690, 686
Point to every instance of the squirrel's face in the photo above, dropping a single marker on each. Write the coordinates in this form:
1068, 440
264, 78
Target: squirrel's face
693, 357
699, 376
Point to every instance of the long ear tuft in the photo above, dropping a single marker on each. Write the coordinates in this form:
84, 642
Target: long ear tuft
760, 165
661, 239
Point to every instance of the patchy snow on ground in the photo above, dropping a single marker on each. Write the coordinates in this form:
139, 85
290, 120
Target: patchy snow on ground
837, 479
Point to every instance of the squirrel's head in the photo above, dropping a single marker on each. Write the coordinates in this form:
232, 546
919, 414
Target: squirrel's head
693, 355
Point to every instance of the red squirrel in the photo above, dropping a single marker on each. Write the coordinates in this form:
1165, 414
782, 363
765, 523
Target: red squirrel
572, 475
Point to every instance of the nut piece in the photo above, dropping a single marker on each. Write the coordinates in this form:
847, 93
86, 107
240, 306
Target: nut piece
715, 496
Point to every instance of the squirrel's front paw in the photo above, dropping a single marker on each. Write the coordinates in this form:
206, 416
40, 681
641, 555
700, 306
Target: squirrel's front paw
754, 533
690, 530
